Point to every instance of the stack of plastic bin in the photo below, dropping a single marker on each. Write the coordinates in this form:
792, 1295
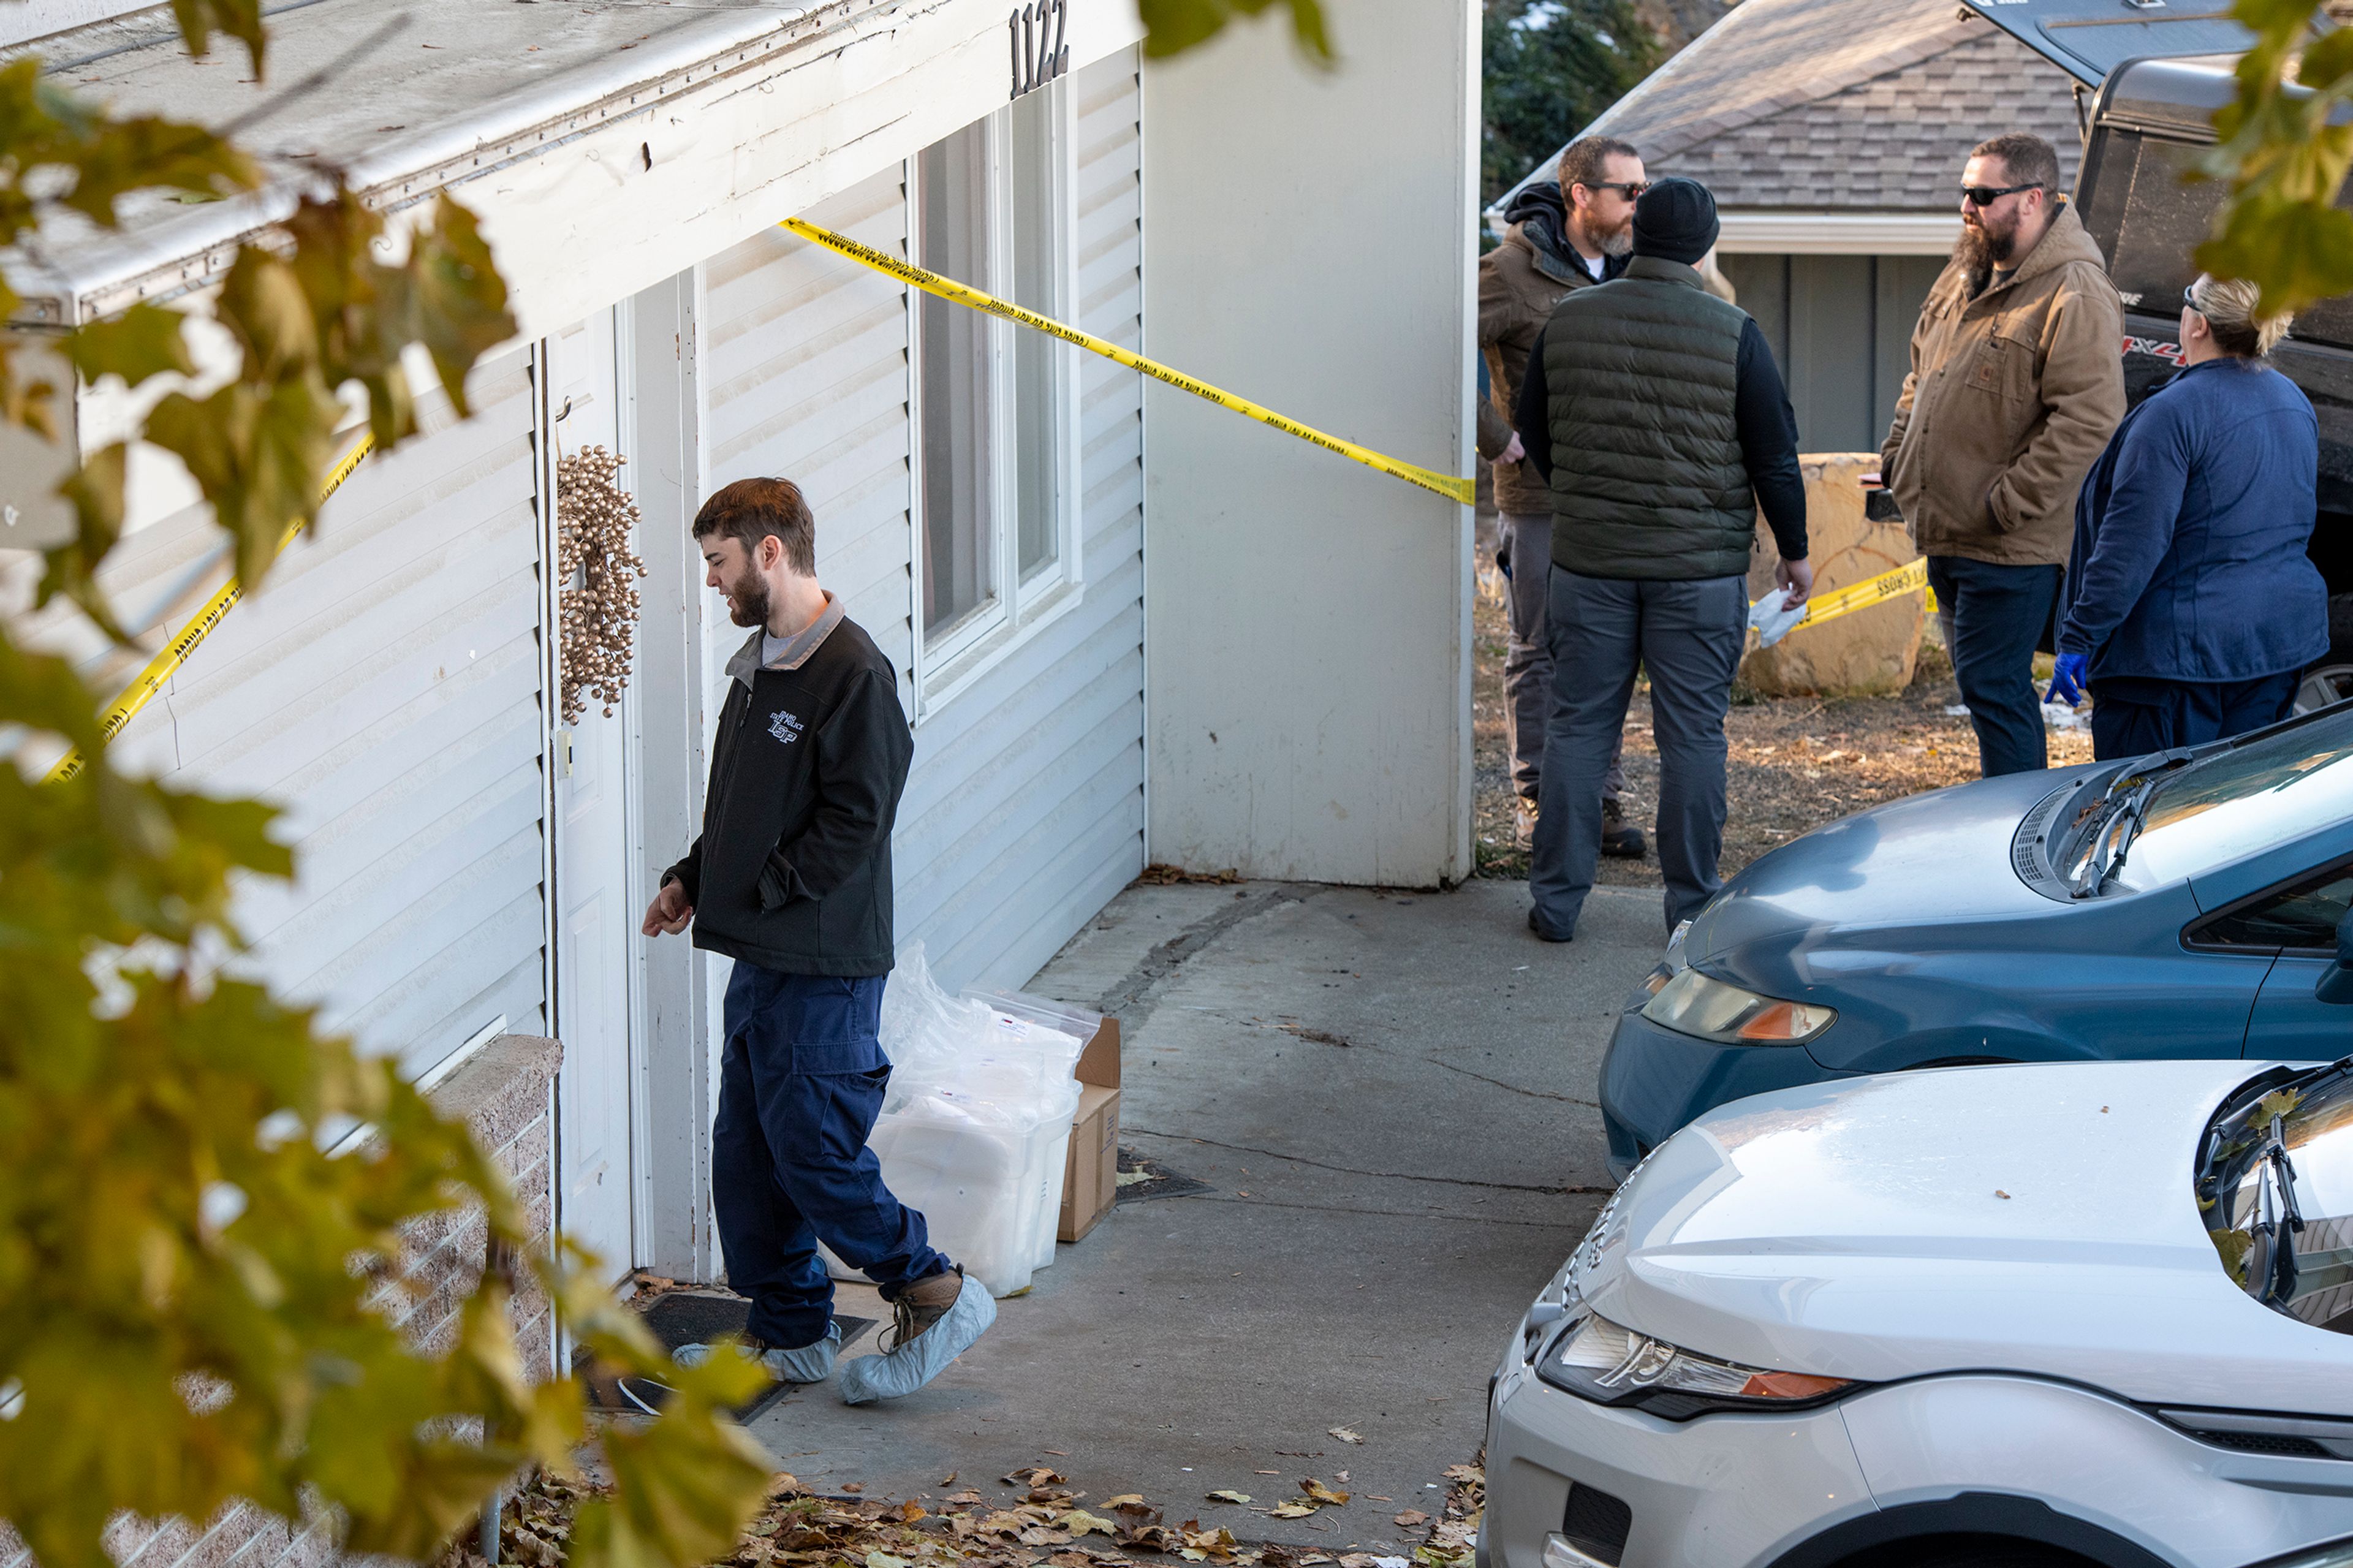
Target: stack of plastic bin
976, 1128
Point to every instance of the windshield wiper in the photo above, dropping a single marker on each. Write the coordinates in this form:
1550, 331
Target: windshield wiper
2278, 1222
2132, 812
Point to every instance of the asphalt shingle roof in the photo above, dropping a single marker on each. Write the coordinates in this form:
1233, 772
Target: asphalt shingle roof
1841, 105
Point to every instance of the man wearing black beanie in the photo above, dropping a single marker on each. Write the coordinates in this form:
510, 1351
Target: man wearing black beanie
1657, 415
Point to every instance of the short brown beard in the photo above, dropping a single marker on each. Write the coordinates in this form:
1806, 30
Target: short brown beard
747, 599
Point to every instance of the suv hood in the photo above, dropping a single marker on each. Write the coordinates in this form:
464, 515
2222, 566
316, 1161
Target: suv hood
1871, 868
2033, 1218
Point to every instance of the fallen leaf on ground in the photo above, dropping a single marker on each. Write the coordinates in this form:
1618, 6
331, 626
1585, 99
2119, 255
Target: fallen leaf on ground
949, 1480
1033, 1476
1292, 1510
1465, 1473
1317, 1491
1227, 1494
1266, 1472
853, 1486
911, 1512
1341, 1477
1078, 1521
1411, 1519
967, 1495
884, 1560
1124, 1499
1344, 1434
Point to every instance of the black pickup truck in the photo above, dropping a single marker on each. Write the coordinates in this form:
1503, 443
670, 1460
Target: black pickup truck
2152, 73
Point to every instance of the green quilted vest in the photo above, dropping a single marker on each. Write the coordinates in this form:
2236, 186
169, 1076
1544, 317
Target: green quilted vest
1647, 476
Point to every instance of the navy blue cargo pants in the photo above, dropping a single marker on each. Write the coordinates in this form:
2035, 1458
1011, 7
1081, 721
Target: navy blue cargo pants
800, 1082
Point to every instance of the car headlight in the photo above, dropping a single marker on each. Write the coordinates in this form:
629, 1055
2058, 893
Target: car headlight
1610, 1364
1690, 1004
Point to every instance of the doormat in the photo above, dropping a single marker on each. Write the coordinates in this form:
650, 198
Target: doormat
1140, 1178
691, 1317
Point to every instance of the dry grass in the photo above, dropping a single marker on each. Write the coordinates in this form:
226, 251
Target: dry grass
1795, 763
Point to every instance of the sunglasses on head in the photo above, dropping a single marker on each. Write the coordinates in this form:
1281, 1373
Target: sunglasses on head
1986, 195
2189, 298
1630, 189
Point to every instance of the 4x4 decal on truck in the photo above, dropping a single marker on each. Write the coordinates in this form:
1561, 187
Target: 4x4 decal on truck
2170, 352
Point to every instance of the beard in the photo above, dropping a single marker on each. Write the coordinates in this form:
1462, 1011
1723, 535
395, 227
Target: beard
747, 599
1981, 249
1619, 243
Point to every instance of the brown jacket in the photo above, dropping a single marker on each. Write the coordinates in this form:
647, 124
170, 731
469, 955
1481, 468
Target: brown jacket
2011, 396
1518, 287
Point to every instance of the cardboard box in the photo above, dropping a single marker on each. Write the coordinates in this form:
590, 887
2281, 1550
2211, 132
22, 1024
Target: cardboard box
1090, 1183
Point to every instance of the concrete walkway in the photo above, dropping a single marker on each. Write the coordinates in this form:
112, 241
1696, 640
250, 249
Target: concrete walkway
1391, 1098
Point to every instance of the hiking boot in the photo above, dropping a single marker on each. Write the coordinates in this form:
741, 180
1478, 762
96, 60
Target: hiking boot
1524, 825
1621, 839
808, 1363
935, 1320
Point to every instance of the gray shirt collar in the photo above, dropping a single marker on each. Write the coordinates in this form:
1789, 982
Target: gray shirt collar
795, 651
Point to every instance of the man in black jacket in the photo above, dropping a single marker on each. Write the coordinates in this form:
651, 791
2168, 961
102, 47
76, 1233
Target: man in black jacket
1656, 412
791, 878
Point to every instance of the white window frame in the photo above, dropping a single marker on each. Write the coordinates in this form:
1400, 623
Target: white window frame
948, 664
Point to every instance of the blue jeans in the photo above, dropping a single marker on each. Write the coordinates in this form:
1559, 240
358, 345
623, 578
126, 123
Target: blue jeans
1998, 614
1688, 635
800, 1082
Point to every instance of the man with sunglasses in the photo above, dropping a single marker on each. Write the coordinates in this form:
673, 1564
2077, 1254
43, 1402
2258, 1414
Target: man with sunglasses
1564, 236
2016, 385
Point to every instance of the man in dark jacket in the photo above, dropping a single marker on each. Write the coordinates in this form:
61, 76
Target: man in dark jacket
791, 878
1564, 236
1657, 414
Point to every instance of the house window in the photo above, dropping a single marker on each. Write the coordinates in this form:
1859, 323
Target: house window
996, 403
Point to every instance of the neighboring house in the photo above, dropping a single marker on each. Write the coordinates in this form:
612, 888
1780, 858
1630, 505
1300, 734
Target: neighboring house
1129, 625
1833, 133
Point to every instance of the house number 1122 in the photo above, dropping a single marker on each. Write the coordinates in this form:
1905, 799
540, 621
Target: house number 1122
1039, 53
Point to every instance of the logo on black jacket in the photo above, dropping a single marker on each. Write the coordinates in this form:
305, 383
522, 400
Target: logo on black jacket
784, 727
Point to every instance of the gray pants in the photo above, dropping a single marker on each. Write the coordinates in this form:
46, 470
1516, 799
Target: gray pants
1528, 666
1689, 637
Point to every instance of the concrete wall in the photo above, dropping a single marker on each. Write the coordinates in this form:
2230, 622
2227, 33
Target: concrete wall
1309, 244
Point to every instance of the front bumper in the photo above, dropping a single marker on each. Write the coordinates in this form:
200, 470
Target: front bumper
1655, 1082
1729, 1491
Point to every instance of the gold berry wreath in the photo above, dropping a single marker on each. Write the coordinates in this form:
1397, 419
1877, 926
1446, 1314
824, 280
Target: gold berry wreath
593, 562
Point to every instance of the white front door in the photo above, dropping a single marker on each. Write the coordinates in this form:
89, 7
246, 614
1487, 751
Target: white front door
596, 924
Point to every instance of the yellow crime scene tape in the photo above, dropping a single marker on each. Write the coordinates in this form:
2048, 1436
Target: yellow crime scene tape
159, 669
1447, 485
1910, 578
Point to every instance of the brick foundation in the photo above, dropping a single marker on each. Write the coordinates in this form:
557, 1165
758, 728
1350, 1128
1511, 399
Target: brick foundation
506, 1095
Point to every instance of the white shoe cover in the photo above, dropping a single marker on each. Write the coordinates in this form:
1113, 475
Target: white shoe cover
925, 1357
809, 1363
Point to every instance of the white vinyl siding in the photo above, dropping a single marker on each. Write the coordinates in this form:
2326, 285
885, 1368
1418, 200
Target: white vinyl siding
1024, 813
805, 358
382, 687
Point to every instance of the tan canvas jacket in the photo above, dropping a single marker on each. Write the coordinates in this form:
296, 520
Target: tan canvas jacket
2011, 396
1518, 287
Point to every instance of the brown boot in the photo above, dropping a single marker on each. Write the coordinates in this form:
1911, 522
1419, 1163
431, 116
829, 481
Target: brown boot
1620, 839
922, 1304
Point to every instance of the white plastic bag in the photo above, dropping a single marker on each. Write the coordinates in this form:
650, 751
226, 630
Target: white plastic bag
1771, 620
976, 1127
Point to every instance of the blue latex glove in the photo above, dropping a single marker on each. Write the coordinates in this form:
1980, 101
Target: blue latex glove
2067, 674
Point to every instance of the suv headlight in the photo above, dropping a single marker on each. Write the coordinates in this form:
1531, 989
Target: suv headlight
1609, 1364
1690, 1004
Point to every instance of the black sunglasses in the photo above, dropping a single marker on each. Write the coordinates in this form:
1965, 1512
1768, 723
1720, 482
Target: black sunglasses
1630, 189
2189, 298
1986, 195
